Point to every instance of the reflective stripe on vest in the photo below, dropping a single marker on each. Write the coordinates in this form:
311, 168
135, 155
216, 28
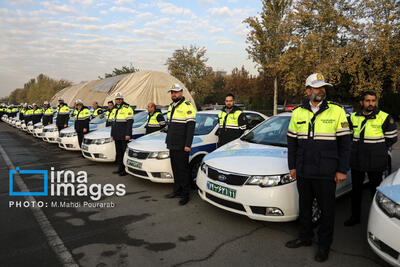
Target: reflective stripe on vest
49, 111
183, 113
122, 114
232, 120
63, 110
372, 128
83, 114
328, 124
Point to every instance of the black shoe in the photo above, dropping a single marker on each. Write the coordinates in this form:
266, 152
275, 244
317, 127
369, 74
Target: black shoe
351, 221
322, 254
173, 195
123, 174
184, 200
296, 243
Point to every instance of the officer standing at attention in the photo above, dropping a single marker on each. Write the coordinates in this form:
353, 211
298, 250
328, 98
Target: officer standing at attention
48, 113
62, 114
37, 114
319, 141
155, 120
181, 125
121, 130
232, 121
28, 114
109, 112
96, 109
374, 132
82, 118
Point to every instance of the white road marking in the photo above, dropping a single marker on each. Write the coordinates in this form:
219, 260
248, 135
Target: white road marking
53, 239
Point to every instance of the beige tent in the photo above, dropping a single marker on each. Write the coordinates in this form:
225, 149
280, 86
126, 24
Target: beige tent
68, 94
142, 87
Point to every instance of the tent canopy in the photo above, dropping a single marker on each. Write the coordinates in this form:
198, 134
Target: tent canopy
142, 87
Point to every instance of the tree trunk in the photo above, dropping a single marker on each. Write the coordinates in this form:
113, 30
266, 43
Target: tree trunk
276, 95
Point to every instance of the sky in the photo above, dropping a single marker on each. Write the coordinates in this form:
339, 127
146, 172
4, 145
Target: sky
79, 40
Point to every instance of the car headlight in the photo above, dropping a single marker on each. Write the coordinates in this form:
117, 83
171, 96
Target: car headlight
269, 180
389, 207
102, 141
71, 134
159, 155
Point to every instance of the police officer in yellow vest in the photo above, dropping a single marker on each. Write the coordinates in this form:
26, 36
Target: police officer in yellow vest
96, 109
155, 120
2, 110
181, 125
48, 113
82, 118
110, 107
14, 111
319, 141
37, 114
28, 114
374, 132
121, 129
232, 121
62, 114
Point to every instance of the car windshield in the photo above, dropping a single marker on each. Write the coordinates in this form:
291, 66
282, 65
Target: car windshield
139, 119
270, 132
205, 123
99, 119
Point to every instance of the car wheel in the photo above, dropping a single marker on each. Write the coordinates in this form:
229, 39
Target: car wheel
194, 168
316, 213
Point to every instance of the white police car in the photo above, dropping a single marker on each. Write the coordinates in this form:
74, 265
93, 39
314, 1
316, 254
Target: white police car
50, 132
68, 138
148, 156
384, 220
250, 175
98, 145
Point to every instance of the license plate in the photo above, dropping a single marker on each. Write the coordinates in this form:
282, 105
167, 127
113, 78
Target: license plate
58, 139
221, 189
85, 147
134, 163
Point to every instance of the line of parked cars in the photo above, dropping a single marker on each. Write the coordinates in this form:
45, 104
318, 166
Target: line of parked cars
248, 176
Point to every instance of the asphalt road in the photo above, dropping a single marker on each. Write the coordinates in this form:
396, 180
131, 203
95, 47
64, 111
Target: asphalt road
144, 228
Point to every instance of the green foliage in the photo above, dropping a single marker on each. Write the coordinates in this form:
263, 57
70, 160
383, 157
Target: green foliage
122, 70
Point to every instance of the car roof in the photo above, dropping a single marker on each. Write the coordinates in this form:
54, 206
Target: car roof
285, 114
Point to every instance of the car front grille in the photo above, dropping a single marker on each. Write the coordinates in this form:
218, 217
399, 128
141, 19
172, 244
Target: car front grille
138, 154
226, 203
226, 177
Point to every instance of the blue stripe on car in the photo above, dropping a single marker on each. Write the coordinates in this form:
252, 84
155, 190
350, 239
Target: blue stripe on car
207, 148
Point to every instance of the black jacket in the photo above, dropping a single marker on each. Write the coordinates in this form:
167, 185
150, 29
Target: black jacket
161, 121
63, 119
180, 135
81, 124
372, 156
36, 117
318, 159
226, 135
121, 129
47, 119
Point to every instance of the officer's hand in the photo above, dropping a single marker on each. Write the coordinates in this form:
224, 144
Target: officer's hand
65, 125
187, 149
293, 173
84, 130
127, 138
340, 177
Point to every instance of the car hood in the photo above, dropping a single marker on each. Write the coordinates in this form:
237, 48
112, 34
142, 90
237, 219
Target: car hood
250, 159
390, 186
50, 126
70, 129
98, 134
153, 142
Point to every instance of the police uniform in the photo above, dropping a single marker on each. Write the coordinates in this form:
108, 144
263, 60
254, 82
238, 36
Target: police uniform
14, 111
155, 122
62, 116
97, 111
48, 115
28, 114
373, 135
109, 117
232, 125
318, 147
2, 111
37, 115
121, 127
82, 118
181, 125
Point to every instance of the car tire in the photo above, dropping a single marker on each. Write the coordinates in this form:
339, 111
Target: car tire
194, 168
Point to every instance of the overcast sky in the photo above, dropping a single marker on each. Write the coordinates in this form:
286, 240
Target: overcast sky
79, 40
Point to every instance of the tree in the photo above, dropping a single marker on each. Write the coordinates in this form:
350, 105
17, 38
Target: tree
189, 66
268, 37
122, 70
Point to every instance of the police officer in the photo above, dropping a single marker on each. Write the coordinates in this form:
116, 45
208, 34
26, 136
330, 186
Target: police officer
2, 110
155, 120
121, 129
28, 114
48, 113
374, 132
62, 114
181, 125
37, 114
110, 107
232, 121
22, 112
82, 118
14, 111
318, 156
96, 109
